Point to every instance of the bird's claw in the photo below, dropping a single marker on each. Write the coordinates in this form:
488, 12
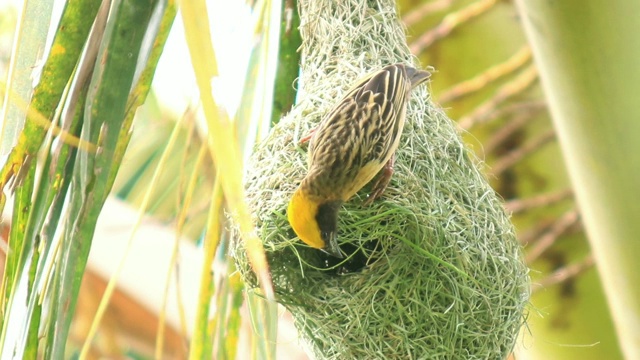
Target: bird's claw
307, 138
382, 182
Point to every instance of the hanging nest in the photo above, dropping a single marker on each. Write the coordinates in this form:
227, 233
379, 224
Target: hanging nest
434, 268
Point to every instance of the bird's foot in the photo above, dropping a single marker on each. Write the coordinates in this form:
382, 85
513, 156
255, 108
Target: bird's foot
307, 138
383, 180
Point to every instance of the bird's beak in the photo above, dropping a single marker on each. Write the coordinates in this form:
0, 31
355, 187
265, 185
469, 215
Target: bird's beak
331, 246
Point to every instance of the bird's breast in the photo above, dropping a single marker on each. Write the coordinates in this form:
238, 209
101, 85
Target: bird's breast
362, 178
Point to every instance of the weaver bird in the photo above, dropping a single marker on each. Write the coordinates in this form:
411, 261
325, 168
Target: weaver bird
355, 141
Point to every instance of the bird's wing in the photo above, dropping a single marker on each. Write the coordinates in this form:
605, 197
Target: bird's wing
385, 94
354, 140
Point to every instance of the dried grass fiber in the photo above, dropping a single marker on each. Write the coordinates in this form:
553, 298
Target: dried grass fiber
442, 275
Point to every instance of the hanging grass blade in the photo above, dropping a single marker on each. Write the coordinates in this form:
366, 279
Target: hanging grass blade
70, 37
31, 33
106, 108
225, 150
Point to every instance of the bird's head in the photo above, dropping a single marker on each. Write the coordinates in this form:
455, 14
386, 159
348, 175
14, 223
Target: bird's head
315, 221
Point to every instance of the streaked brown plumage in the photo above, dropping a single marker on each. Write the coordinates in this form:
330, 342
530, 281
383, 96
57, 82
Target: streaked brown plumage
350, 146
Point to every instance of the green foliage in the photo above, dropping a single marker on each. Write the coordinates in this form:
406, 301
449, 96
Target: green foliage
101, 97
589, 71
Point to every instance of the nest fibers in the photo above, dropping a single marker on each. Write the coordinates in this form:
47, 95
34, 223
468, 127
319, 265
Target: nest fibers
434, 271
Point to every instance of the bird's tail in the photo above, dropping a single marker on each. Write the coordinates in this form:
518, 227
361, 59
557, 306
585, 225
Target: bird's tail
416, 76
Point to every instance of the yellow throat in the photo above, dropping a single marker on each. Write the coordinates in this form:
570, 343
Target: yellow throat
302, 213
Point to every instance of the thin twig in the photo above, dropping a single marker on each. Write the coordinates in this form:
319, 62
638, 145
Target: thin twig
483, 112
488, 76
513, 157
519, 107
561, 226
525, 112
450, 22
424, 10
565, 273
539, 228
520, 205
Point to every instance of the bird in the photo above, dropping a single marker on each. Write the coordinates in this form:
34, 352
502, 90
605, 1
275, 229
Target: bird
353, 143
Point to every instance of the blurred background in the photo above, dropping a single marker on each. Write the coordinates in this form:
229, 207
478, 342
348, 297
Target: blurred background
485, 79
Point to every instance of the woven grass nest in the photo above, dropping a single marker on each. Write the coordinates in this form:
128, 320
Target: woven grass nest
434, 271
